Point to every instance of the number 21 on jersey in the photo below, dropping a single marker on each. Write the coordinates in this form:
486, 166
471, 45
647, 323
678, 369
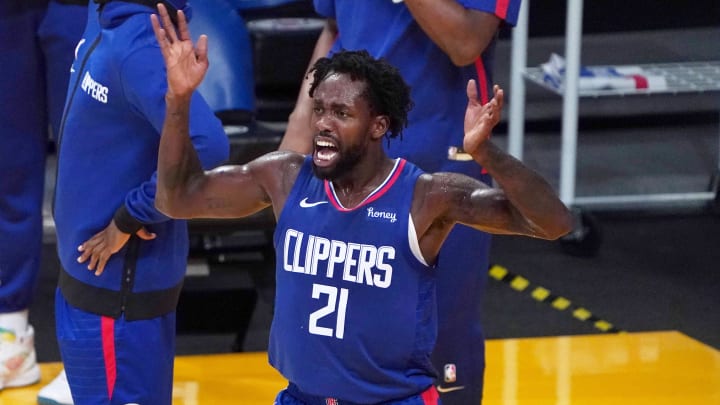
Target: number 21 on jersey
334, 305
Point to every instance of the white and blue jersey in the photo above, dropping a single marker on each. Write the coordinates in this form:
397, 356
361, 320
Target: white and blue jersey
355, 316
387, 29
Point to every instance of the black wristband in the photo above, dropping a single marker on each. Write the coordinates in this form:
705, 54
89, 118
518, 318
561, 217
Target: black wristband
125, 222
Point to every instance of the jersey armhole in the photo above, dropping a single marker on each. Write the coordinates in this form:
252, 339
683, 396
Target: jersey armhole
414, 243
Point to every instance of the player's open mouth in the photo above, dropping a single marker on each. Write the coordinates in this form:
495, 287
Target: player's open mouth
326, 151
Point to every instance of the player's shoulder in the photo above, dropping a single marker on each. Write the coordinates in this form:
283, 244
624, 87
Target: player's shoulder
430, 190
442, 188
286, 161
279, 164
436, 181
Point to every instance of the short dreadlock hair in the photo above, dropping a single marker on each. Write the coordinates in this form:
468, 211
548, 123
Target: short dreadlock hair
385, 90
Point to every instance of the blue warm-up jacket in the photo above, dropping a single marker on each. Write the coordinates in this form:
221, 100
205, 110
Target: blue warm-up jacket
107, 161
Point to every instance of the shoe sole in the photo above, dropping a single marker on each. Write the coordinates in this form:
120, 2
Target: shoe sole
46, 401
29, 377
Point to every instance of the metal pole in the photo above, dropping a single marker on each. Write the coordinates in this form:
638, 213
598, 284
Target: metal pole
573, 39
518, 61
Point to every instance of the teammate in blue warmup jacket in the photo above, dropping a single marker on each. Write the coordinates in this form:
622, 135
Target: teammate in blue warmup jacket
123, 261
437, 46
358, 233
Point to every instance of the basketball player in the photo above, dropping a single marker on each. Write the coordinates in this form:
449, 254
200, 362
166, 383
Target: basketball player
357, 233
437, 46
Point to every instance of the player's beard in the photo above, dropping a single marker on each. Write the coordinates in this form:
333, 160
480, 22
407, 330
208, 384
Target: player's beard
348, 160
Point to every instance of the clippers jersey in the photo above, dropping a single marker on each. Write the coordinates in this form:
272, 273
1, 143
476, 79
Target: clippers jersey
355, 316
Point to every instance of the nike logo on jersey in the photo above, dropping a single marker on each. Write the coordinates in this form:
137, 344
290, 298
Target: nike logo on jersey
449, 389
305, 204
77, 48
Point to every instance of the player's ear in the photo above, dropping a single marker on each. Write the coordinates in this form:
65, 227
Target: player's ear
380, 126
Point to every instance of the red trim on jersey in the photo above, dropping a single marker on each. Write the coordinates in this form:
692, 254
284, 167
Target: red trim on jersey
376, 194
107, 328
501, 8
389, 184
331, 198
482, 80
430, 396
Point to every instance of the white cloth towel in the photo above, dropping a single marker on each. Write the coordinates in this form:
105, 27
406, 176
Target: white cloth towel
596, 78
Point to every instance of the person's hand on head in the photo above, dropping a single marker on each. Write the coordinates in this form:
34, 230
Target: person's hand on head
186, 63
480, 119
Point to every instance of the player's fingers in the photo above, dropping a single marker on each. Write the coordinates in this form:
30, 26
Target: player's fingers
145, 235
167, 23
88, 247
101, 264
202, 49
93, 260
183, 26
499, 95
159, 33
472, 92
84, 254
99, 246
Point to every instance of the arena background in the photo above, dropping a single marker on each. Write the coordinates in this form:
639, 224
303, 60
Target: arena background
654, 268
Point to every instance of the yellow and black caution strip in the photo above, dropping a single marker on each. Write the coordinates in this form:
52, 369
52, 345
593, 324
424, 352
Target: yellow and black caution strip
541, 294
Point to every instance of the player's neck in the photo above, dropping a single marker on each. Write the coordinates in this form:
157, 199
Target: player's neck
367, 176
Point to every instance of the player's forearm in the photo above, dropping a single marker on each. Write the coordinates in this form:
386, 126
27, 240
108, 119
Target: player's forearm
527, 191
178, 163
463, 34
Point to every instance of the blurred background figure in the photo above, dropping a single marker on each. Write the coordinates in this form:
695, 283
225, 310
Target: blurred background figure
37, 41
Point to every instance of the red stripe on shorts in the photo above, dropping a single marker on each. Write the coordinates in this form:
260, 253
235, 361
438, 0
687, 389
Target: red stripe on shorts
108, 343
430, 396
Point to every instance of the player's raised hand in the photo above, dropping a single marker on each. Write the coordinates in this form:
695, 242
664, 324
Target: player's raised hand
186, 63
480, 119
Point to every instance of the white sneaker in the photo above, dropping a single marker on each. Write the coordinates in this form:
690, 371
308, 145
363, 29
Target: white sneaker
57, 392
18, 364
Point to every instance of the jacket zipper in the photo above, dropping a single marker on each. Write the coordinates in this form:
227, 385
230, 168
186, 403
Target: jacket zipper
94, 45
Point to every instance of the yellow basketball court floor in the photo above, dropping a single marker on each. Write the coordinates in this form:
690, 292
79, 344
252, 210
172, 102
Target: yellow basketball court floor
652, 368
